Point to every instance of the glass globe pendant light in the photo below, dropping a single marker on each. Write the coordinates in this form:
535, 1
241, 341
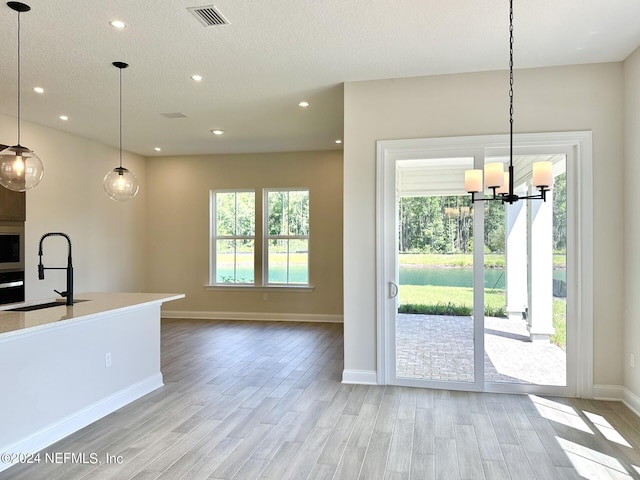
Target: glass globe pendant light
120, 184
20, 168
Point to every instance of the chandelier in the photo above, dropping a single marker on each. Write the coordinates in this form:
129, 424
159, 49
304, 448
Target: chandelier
501, 183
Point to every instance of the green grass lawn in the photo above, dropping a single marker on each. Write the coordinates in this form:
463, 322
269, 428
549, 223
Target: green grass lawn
494, 300
438, 300
560, 323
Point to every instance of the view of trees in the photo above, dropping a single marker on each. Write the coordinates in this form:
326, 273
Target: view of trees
288, 212
235, 214
560, 214
445, 224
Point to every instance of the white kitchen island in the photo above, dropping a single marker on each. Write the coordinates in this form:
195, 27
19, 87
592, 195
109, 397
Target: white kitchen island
64, 367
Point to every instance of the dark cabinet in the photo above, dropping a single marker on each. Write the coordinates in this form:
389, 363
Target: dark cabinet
12, 205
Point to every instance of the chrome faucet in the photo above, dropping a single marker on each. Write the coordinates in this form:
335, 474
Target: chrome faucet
69, 268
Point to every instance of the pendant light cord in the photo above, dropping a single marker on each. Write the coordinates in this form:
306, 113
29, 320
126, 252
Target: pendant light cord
120, 70
19, 78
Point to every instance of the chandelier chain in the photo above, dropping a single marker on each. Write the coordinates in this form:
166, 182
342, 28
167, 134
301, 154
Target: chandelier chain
511, 81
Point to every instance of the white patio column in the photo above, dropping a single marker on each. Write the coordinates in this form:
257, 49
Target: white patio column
540, 318
516, 260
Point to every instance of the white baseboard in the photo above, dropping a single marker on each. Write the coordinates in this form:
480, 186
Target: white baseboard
360, 377
607, 392
80, 419
255, 316
619, 394
631, 400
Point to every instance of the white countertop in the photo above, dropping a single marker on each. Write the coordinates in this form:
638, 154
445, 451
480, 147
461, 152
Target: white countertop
15, 323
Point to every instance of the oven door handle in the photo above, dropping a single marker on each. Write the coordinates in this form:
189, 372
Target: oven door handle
12, 284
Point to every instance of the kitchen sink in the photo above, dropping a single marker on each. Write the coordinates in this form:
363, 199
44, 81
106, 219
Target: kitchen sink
41, 306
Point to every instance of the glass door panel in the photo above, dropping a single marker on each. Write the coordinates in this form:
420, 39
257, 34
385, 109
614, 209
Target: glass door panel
525, 282
434, 327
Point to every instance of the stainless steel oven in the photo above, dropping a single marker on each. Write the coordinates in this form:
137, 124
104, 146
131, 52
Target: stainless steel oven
11, 287
11, 263
11, 248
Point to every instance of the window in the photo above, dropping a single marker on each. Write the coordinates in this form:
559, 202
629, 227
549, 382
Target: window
285, 242
286, 238
232, 237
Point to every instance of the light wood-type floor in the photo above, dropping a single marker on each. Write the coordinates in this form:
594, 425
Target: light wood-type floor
247, 400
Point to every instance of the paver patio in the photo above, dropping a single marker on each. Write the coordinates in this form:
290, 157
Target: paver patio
438, 347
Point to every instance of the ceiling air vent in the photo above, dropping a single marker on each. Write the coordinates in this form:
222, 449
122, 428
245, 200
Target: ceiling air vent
208, 16
174, 115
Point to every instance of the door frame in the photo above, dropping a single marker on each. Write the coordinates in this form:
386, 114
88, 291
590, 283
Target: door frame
579, 143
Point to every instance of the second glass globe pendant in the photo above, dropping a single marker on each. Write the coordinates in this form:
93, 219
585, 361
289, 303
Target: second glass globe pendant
120, 184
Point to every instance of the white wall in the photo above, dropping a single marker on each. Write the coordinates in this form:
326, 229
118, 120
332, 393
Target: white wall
60, 374
632, 226
108, 237
587, 97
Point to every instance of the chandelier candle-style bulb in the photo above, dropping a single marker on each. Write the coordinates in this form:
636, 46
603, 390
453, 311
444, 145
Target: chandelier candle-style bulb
543, 175
473, 181
505, 186
494, 174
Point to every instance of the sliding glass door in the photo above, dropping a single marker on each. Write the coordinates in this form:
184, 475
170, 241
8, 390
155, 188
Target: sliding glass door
435, 330
475, 296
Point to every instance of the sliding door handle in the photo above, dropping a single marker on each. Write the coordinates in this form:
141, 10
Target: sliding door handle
393, 290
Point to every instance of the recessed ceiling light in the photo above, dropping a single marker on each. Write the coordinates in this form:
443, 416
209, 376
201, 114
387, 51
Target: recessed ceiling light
38, 89
338, 141
157, 149
196, 78
303, 104
63, 117
117, 24
217, 132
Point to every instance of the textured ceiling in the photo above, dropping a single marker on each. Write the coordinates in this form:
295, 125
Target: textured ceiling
273, 54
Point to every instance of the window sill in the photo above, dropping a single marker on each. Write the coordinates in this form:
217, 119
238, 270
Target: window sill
261, 288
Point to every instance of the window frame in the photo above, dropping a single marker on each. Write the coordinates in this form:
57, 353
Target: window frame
266, 237
214, 237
